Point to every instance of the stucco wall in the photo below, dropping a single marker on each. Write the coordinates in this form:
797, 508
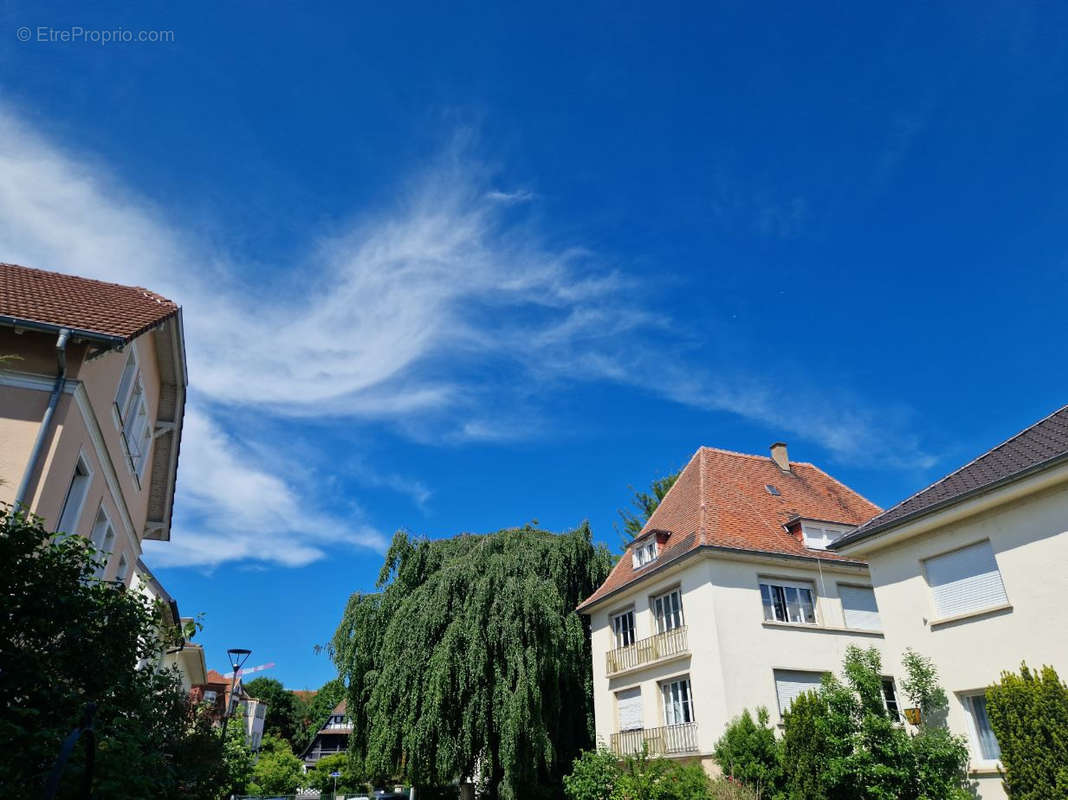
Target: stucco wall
1030, 542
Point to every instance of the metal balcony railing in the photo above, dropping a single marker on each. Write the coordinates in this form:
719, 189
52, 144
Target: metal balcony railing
670, 740
646, 651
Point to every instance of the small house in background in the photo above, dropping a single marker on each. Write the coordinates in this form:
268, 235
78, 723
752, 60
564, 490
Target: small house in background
332, 738
245, 710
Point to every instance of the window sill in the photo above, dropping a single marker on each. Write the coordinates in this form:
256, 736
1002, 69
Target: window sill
941, 621
804, 626
986, 769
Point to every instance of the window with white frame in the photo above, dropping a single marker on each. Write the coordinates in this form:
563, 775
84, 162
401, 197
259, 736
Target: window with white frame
893, 708
786, 601
859, 607
629, 708
817, 536
667, 611
965, 581
678, 702
131, 412
103, 539
623, 628
984, 742
791, 684
643, 553
75, 499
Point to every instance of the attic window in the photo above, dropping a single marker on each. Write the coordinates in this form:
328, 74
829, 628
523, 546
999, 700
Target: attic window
644, 553
772, 490
817, 536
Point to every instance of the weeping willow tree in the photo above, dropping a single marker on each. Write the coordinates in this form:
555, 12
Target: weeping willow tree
471, 662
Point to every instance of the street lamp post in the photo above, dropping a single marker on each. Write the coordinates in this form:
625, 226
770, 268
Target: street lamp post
238, 657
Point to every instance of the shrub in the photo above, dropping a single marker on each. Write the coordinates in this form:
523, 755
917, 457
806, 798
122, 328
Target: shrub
601, 775
749, 753
1029, 715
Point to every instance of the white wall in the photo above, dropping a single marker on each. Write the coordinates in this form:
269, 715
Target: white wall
1030, 541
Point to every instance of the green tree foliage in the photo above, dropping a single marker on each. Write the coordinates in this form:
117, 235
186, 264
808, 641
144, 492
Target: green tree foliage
645, 504
1029, 715
749, 752
285, 712
237, 761
276, 770
348, 782
840, 743
600, 775
471, 662
68, 640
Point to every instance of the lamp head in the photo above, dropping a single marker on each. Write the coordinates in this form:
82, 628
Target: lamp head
238, 657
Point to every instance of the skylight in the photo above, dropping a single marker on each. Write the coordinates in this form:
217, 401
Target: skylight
772, 490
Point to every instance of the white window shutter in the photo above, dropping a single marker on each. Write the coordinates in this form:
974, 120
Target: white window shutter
789, 684
965, 580
630, 709
858, 605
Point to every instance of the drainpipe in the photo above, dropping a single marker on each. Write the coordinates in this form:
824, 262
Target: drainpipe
46, 420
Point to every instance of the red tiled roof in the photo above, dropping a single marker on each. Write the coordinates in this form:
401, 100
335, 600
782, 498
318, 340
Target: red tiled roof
214, 676
341, 707
721, 500
1033, 448
52, 298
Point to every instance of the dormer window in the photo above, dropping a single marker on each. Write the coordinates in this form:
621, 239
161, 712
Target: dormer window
644, 552
818, 535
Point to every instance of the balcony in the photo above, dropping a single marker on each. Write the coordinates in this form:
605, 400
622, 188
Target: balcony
671, 740
662, 647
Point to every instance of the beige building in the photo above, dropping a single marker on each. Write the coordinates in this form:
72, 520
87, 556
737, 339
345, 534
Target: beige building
92, 392
728, 600
971, 572
186, 657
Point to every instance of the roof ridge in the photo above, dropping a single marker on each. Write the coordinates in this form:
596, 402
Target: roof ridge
979, 457
147, 292
667, 494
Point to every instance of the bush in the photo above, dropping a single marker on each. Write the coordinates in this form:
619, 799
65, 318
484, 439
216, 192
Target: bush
600, 775
1029, 715
749, 753
840, 743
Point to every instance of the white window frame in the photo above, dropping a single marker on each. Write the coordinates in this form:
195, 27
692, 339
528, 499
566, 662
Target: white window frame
817, 535
130, 411
896, 714
106, 527
772, 583
677, 697
75, 514
616, 631
644, 552
675, 615
979, 758
939, 614
845, 617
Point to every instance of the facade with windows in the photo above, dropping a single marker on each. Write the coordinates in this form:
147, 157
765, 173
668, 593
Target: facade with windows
91, 409
332, 738
728, 600
969, 572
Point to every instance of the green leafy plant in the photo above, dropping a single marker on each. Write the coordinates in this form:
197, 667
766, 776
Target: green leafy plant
471, 661
276, 770
645, 503
68, 640
1029, 714
749, 752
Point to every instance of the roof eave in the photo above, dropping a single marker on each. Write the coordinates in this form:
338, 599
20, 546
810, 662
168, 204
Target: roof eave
879, 530
109, 339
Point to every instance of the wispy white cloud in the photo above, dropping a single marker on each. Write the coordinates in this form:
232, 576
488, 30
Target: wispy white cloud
422, 315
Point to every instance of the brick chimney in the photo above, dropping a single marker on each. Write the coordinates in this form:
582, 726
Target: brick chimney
780, 456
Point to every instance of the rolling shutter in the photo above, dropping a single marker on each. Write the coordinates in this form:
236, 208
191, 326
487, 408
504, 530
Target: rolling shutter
965, 580
858, 605
791, 683
630, 709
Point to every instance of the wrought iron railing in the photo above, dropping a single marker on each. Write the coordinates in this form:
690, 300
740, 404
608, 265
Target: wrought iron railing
667, 741
646, 651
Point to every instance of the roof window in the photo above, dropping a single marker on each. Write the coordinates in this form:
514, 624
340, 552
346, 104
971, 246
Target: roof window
772, 490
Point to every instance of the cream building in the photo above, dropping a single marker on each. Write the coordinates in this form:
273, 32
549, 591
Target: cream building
184, 656
971, 572
728, 600
92, 392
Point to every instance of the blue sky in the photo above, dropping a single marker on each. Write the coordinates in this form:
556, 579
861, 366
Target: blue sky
453, 268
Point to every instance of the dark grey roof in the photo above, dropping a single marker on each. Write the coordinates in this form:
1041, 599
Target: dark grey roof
1035, 448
